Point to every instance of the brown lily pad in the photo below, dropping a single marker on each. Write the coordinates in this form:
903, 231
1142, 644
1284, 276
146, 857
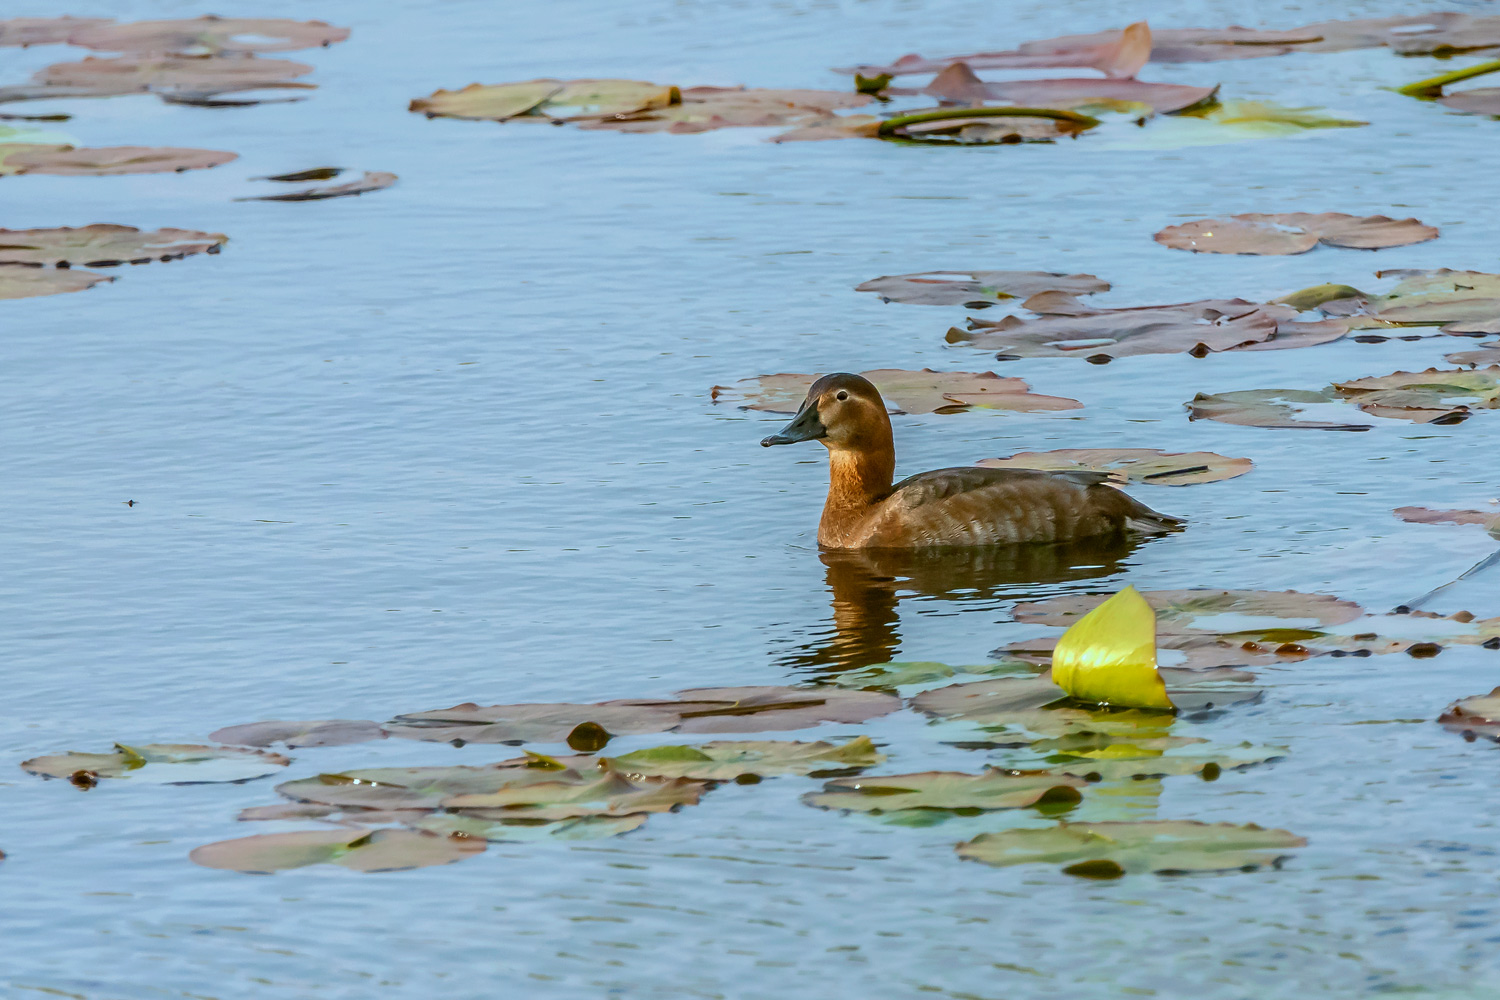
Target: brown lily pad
1486, 354
1487, 519
924, 391
20, 282
207, 36
1461, 302
947, 790
1177, 611
729, 759
24, 31
102, 245
1118, 54
569, 794
318, 733
705, 109
1136, 465
371, 181
360, 850
179, 79
977, 289
1293, 233
161, 763
959, 83
1479, 101
1265, 408
547, 100
764, 709
396, 789
1425, 397
535, 723
1477, 716
106, 160
1112, 850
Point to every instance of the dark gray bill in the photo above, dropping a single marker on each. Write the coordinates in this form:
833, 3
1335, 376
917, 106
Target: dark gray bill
805, 426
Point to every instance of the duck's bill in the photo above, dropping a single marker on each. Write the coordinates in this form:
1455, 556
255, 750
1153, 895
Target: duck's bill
805, 426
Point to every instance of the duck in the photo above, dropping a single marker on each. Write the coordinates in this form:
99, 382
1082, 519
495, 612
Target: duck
957, 507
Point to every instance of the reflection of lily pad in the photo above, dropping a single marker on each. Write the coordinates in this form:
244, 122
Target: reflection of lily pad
993, 789
103, 245
1293, 233
161, 763
361, 850
1178, 611
315, 733
1147, 466
106, 160
924, 391
727, 760
207, 36
1109, 850
977, 288
19, 282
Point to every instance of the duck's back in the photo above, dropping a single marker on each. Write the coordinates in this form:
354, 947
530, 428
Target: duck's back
978, 506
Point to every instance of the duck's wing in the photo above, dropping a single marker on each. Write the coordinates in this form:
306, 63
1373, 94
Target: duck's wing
972, 505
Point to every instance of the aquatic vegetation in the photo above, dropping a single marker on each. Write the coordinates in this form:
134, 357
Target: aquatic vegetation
21, 282
1111, 850
947, 790
960, 84
370, 181
733, 759
1180, 611
206, 36
103, 245
1293, 233
1429, 397
24, 31
896, 675
1108, 656
924, 391
1488, 519
1474, 717
1265, 408
359, 850
163, 763
977, 289
317, 733
37, 158
1479, 101
181, 80
1486, 354
1148, 466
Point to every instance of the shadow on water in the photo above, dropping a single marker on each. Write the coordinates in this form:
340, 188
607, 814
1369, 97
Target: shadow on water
868, 586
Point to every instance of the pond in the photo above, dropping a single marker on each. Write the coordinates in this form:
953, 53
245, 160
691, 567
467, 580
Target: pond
455, 441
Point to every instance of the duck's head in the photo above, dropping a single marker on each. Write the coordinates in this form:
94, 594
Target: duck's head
843, 411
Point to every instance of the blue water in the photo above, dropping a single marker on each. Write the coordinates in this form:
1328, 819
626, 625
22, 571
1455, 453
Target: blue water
454, 441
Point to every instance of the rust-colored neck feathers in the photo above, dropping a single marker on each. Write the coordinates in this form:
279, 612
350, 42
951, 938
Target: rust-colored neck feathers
861, 464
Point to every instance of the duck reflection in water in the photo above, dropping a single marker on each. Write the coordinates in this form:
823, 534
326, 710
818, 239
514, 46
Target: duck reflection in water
868, 586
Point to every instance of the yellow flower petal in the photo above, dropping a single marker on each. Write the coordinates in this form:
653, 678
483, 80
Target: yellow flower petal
1109, 655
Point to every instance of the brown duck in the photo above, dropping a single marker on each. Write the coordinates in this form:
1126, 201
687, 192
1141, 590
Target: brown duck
946, 507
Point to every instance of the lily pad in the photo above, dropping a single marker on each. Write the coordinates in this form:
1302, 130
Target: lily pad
977, 289
1117, 54
538, 723
1138, 759
1479, 101
1225, 122
318, 733
1147, 466
177, 79
993, 789
1033, 705
360, 850
20, 282
1461, 302
103, 161
1293, 233
207, 36
764, 709
959, 83
1180, 611
705, 109
405, 788
924, 391
895, 675
547, 100
1487, 354
161, 763
1488, 519
1109, 850
1266, 408
1427, 397
571, 794
371, 181
24, 31
1479, 716
988, 125
518, 830
724, 761
103, 245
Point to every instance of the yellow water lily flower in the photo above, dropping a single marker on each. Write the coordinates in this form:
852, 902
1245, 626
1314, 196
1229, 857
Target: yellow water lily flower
1109, 655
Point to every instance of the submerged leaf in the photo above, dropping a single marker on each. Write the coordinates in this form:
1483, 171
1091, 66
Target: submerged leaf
164, 763
1293, 233
727, 760
977, 289
103, 245
993, 789
1162, 846
924, 391
1108, 657
360, 850
1135, 465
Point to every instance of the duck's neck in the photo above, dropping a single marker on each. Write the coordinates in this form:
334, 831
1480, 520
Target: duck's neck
857, 479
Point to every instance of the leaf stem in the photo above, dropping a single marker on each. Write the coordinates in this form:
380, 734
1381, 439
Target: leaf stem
1432, 87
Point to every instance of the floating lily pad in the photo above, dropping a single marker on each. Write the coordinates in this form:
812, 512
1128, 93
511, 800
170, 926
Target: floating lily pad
1479, 101
1124, 758
1147, 466
1179, 611
371, 181
1069, 328
23, 31
1109, 850
547, 99
724, 761
317, 733
993, 789
16, 158
894, 675
569, 794
20, 282
959, 83
1224, 122
1266, 408
177, 79
398, 788
1479, 715
704, 109
161, 763
103, 245
1488, 519
1181, 658
1033, 705
207, 36
991, 125
1293, 233
763, 709
510, 831
1117, 54
924, 391
361, 850
1428, 397
1487, 354
977, 289
539, 723
1461, 302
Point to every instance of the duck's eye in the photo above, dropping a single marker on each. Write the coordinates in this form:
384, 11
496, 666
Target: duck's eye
841, 395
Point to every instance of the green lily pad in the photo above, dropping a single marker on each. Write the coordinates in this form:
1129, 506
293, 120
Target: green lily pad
1460, 302
949, 790
160, 763
724, 761
314, 733
517, 830
895, 675
1148, 758
1428, 397
571, 794
1109, 850
360, 850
